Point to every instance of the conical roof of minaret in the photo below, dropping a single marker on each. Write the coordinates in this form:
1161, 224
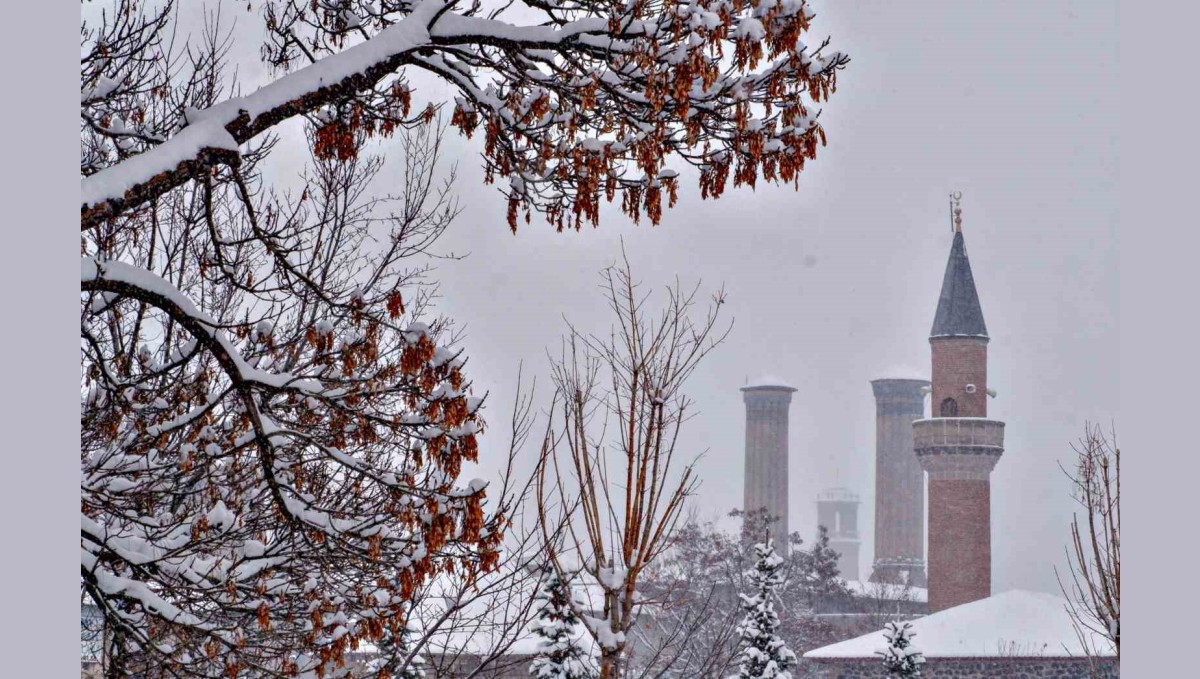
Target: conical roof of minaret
958, 311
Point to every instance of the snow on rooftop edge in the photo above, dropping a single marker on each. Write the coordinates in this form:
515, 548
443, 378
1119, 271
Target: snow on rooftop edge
888, 591
1016, 623
768, 381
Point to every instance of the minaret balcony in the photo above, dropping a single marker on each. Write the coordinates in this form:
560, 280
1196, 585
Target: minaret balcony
958, 435
958, 447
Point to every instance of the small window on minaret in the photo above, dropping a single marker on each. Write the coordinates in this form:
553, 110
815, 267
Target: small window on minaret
949, 408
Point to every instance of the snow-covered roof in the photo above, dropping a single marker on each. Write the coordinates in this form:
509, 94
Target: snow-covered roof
484, 643
883, 590
904, 372
1016, 623
839, 494
486, 623
767, 381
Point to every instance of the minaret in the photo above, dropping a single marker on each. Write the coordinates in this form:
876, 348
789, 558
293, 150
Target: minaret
837, 511
766, 478
899, 483
958, 446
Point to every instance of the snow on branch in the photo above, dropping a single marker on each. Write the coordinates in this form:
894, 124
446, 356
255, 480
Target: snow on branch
221, 128
271, 457
652, 83
273, 427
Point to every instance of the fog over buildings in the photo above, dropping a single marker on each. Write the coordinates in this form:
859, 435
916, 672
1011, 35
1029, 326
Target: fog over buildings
836, 284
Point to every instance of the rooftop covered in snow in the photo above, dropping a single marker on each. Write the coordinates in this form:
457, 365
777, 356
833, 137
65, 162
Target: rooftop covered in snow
1012, 624
838, 494
903, 374
768, 382
886, 591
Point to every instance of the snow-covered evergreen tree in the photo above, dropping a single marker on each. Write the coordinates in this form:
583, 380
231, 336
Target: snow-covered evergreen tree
561, 653
763, 654
820, 577
900, 659
394, 649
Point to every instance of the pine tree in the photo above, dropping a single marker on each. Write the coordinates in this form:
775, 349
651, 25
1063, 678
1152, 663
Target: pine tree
900, 659
394, 648
763, 655
822, 578
560, 653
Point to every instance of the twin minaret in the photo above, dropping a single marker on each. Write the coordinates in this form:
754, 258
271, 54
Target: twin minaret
899, 483
957, 447
766, 478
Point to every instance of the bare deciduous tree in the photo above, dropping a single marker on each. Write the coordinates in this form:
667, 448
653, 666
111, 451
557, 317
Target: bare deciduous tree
613, 465
690, 606
1093, 588
579, 100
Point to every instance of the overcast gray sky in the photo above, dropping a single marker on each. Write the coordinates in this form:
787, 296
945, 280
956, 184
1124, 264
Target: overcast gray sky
1014, 104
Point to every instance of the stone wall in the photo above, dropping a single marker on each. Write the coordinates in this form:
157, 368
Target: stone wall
970, 668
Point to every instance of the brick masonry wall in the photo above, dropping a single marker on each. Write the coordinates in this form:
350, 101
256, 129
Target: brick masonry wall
899, 479
969, 668
957, 362
767, 457
960, 542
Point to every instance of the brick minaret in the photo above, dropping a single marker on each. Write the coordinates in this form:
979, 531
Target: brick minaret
837, 511
958, 446
767, 402
899, 483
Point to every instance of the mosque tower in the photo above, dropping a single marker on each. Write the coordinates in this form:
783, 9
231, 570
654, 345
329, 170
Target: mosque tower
766, 476
899, 483
958, 446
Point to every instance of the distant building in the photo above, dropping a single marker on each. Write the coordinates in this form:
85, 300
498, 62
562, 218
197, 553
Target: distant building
837, 512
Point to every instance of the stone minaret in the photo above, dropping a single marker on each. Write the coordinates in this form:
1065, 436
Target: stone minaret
767, 402
837, 511
899, 483
958, 446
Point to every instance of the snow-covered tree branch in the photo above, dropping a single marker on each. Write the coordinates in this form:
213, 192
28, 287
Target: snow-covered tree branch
273, 424
577, 98
270, 449
901, 660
